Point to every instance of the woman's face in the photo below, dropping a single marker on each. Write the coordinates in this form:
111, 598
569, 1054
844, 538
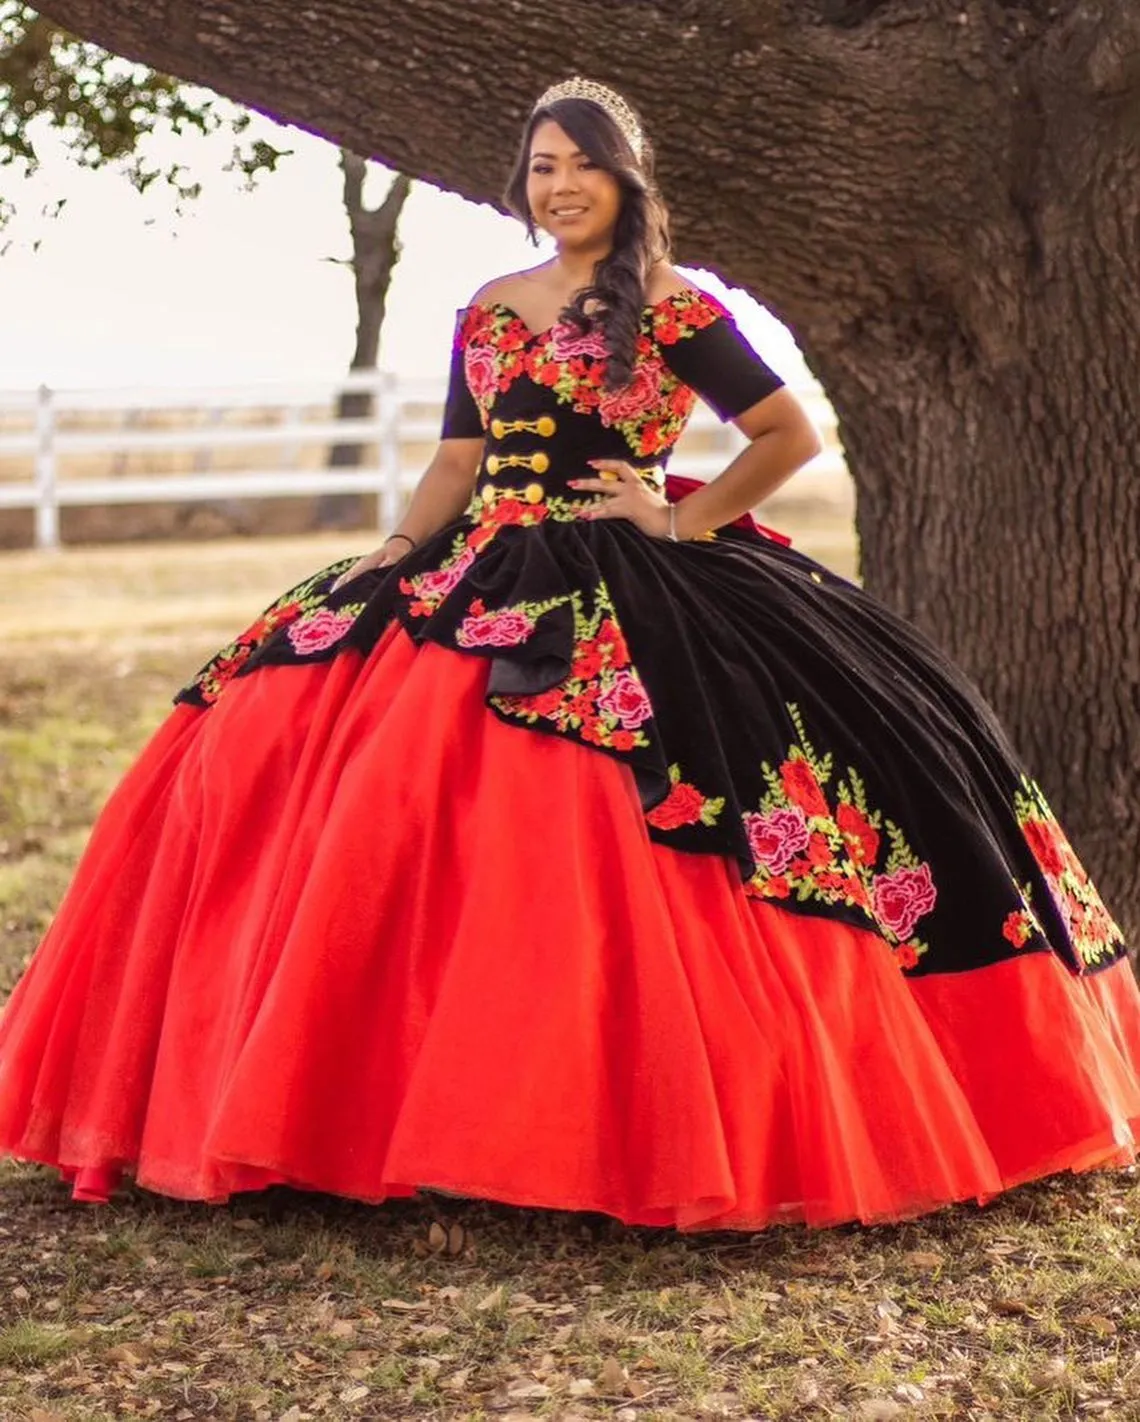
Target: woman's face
571, 197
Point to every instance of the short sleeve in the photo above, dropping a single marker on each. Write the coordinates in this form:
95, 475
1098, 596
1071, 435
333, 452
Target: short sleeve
702, 345
461, 418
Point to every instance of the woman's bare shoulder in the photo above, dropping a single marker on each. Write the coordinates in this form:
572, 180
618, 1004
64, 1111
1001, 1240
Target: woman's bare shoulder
501, 288
664, 281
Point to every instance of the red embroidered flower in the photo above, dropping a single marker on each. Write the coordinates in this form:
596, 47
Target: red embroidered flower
802, 788
512, 511
906, 956
627, 701
478, 537
902, 898
682, 806
610, 635
1017, 929
623, 740
588, 661
777, 888
581, 706
593, 731
776, 837
819, 851
543, 703
1043, 844
861, 836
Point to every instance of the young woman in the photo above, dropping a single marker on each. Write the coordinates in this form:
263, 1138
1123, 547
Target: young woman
584, 846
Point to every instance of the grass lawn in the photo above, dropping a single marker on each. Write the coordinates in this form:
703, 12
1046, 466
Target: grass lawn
283, 1307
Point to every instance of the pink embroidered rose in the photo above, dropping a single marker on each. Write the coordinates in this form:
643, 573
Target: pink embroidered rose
439, 583
777, 837
902, 898
641, 394
566, 343
482, 371
627, 700
323, 629
505, 628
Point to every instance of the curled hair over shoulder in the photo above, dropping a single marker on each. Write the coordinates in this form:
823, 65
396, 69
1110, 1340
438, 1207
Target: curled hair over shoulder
641, 237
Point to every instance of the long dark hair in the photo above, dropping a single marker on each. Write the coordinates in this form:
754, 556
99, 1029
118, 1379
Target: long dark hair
641, 237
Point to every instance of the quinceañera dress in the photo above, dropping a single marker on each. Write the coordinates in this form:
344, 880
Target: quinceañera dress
570, 867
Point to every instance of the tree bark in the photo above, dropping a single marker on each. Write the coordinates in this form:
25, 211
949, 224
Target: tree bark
375, 252
935, 194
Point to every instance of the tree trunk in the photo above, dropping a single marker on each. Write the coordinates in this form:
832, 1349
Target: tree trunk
375, 252
937, 196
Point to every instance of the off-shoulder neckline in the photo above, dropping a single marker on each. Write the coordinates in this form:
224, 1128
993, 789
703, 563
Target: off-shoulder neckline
649, 307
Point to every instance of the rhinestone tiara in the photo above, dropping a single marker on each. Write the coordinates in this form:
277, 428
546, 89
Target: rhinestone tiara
605, 98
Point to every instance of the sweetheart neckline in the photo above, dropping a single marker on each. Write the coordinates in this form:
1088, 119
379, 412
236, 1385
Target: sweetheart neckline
533, 335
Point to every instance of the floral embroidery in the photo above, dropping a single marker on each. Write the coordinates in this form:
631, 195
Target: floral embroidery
601, 700
1094, 933
833, 848
322, 628
490, 511
650, 411
505, 626
299, 602
1018, 928
493, 340
684, 805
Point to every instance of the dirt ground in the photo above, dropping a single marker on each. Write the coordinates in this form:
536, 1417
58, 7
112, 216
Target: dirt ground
284, 1307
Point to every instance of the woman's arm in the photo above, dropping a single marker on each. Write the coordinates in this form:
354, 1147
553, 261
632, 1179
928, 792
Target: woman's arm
440, 496
781, 438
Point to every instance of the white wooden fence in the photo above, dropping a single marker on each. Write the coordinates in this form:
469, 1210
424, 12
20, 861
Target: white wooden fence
43, 431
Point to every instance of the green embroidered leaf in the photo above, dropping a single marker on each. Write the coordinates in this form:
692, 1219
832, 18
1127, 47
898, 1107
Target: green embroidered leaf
711, 809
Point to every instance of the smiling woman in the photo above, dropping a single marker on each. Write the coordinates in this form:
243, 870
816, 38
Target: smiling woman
812, 944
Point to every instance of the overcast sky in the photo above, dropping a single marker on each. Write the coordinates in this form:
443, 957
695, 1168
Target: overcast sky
122, 292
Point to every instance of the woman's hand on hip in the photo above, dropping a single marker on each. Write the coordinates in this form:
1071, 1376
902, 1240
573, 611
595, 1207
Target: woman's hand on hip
625, 495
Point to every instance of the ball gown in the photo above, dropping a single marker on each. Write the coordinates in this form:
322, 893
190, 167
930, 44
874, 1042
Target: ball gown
574, 868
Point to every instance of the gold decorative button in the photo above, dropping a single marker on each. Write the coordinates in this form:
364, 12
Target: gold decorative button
546, 426
540, 462
498, 429
533, 493
487, 492
493, 465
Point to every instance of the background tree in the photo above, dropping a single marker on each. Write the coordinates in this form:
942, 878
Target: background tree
105, 107
375, 252
938, 195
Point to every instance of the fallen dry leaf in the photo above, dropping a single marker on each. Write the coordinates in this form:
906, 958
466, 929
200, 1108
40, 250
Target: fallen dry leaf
613, 1378
924, 1259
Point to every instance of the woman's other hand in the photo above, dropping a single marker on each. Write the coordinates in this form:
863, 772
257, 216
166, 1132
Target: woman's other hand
627, 495
389, 552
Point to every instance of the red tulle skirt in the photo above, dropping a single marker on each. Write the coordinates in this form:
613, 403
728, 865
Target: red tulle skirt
346, 930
